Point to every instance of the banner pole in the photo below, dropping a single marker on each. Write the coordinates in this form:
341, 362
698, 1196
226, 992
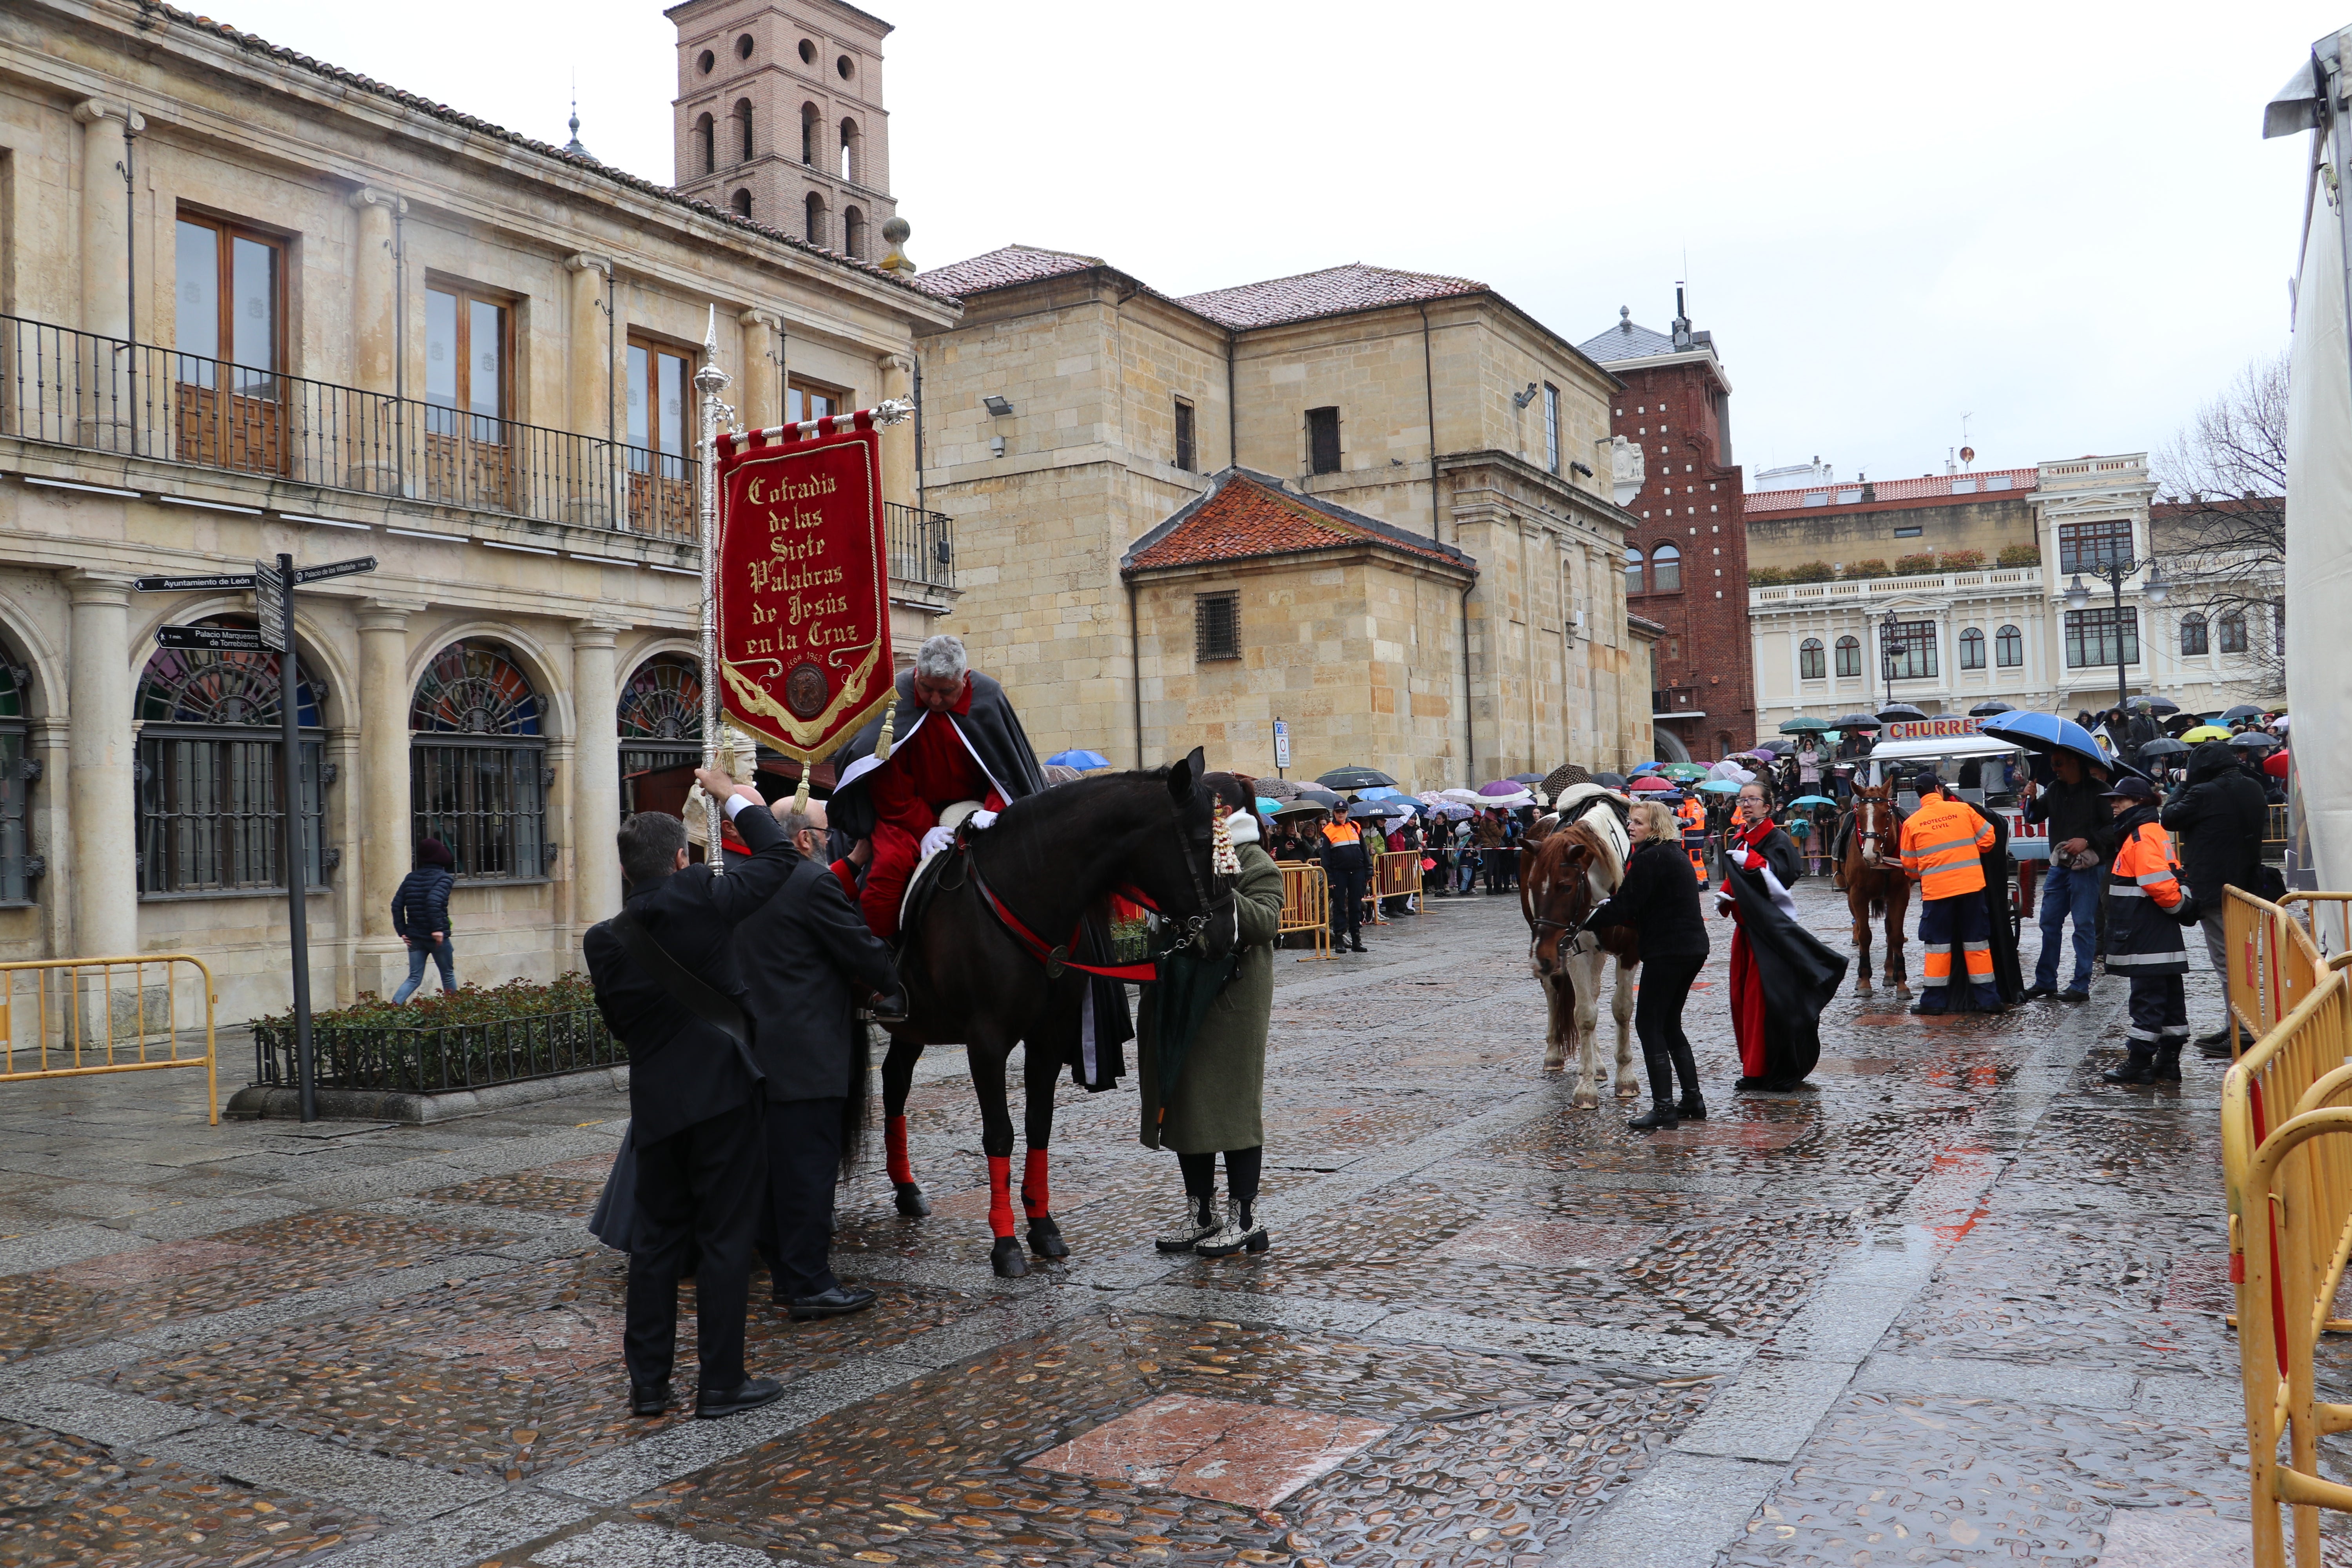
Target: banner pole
710, 381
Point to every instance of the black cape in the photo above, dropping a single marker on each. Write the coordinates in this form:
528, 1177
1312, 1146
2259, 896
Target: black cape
992, 727
1800, 974
2008, 977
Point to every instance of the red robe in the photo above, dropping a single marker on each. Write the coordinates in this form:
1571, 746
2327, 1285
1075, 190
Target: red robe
927, 772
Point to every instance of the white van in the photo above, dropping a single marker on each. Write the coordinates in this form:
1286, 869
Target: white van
1983, 771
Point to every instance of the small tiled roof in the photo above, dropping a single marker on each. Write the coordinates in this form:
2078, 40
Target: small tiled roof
1334, 291
580, 160
1927, 490
1248, 515
1003, 268
1627, 340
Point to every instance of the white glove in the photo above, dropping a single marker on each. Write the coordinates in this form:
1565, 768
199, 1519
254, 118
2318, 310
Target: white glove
937, 839
980, 819
1724, 905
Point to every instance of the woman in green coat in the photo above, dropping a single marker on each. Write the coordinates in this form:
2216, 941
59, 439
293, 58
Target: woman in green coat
1219, 1091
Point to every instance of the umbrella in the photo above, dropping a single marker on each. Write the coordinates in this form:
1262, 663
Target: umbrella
1684, 771
1278, 789
2252, 741
2243, 711
2162, 747
1779, 747
1856, 722
1564, 777
1303, 808
1083, 760
1363, 808
1380, 792
1322, 797
1805, 726
2047, 732
1267, 807
1720, 786
1610, 781
1990, 706
1644, 767
1055, 774
1759, 755
1530, 780
2206, 732
1353, 777
1463, 797
1813, 800
1897, 712
1649, 783
2155, 705
1494, 787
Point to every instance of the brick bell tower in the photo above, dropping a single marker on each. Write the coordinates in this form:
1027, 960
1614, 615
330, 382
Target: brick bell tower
778, 117
1691, 574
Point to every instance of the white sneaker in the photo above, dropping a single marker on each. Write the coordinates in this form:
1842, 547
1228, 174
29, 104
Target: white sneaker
1180, 1236
1234, 1236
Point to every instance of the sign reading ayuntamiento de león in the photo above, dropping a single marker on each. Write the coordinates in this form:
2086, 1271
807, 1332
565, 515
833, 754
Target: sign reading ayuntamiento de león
803, 585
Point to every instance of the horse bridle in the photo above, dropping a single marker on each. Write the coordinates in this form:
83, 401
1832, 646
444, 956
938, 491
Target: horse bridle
1057, 958
1867, 811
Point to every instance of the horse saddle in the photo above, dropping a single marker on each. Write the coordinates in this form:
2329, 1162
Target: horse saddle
927, 870
1578, 802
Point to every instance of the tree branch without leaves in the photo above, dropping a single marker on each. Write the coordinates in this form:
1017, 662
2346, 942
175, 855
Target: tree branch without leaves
2220, 526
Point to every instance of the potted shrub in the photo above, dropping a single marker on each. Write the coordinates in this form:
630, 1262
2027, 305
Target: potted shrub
1766, 576
460, 1039
2017, 555
1870, 568
1920, 565
1811, 571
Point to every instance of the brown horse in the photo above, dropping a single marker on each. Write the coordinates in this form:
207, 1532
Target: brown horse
1875, 884
1561, 877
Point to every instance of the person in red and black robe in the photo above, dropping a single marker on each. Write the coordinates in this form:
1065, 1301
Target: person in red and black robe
1781, 974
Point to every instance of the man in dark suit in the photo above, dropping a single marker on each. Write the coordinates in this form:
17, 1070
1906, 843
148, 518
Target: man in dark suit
693, 1091
807, 957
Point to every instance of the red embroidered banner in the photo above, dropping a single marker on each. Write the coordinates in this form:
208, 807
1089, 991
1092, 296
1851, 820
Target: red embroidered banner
803, 599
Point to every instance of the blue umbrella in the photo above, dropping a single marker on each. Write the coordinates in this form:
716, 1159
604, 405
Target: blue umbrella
2047, 732
1813, 800
1720, 786
1380, 792
1267, 807
1081, 760
1644, 767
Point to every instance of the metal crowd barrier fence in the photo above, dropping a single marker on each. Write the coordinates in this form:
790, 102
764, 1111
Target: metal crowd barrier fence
2329, 917
1306, 905
1396, 874
2286, 1105
70, 1019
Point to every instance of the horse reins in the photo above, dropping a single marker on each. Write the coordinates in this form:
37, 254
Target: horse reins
1056, 959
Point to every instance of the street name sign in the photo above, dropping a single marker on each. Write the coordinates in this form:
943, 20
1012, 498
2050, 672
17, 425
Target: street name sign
220, 640
355, 566
192, 584
269, 605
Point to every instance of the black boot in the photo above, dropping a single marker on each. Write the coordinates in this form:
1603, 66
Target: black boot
1661, 1117
2167, 1063
2140, 1067
1691, 1108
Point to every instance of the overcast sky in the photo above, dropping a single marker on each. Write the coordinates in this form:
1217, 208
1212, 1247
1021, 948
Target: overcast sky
2059, 220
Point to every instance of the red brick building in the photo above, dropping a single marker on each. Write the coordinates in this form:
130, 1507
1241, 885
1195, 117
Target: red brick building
1687, 567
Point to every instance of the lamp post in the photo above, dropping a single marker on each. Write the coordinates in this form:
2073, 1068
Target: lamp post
1888, 630
2155, 590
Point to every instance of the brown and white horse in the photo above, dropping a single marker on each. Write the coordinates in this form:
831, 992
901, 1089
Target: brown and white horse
1875, 884
1562, 876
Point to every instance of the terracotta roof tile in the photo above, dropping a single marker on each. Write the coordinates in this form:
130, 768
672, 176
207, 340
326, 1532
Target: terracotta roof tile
1246, 516
1928, 488
1334, 291
585, 164
1003, 268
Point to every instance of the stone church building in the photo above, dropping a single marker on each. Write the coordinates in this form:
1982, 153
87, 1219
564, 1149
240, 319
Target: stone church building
1378, 505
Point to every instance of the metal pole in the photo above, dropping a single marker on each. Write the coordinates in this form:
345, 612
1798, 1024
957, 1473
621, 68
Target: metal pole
710, 381
2115, 581
290, 801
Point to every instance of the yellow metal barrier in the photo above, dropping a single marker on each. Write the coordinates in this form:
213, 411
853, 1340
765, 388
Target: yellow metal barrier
2329, 917
1396, 874
1306, 905
69, 1017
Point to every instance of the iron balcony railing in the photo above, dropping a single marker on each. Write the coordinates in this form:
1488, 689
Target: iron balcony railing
922, 550
104, 395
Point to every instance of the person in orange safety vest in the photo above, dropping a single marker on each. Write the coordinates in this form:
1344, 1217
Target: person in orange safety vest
1941, 843
2146, 907
1693, 813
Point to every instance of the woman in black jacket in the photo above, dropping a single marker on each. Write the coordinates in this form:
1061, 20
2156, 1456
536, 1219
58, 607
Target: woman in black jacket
1659, 898
420, 916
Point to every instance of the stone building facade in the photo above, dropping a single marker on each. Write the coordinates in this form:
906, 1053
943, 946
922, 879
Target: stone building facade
1686, 566
1073, 409
778, 117
1979, 612
326, 318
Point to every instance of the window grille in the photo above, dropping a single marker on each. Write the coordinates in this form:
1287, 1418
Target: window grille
1551, 427
1216, 626
478, 764
660, 718
2093, 638
210, 816
16, 869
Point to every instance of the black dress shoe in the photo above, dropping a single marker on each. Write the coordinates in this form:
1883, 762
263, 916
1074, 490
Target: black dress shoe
712, 1404
1661, 1117
831, 1303
891, 1009
2074, 993
1924, 1011
648, 1398
2036, 992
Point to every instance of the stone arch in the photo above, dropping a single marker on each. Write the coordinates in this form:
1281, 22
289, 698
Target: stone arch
20, 634
315, 651
742, 116
706, 143
550, 675
1670, 745
815, 207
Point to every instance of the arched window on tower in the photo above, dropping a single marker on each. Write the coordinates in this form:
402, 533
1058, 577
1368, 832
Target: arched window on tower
1810, 666
209, 812
1665, 570
853, 231
706, 143
741, 202
816, 218
1849, 658
478, 763
811, 121
742, 118
849, 150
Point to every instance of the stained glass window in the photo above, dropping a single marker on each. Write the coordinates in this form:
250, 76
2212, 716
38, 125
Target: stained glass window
209, 798
478, 764
660, 721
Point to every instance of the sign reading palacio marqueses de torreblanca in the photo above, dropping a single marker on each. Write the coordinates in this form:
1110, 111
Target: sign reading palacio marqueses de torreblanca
802, 600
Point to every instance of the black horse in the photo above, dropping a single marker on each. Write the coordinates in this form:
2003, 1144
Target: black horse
978, 975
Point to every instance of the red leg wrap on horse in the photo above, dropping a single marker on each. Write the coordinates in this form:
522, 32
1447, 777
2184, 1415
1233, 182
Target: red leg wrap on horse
1000, 1194
894, 1145
1034, 1201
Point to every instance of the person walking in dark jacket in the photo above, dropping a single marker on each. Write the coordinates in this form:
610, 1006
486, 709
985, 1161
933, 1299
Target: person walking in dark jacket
2219, 820
2081, 841
1659, 898
420, 917
806, 957
664, 969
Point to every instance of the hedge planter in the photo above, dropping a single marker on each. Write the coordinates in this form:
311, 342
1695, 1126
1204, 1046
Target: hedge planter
377, 1060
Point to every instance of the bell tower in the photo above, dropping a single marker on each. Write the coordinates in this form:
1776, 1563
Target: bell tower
778, 117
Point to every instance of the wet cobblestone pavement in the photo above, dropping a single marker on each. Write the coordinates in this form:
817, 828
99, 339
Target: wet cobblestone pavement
1958, 1301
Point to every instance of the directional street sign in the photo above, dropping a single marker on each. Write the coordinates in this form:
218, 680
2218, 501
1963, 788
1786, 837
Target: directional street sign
357, 564
220, 640
269, 605
190, 584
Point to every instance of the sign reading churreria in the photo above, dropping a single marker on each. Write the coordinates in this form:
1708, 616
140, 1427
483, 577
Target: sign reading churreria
803, 585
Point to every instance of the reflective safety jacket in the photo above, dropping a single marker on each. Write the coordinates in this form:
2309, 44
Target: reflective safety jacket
1941, 841
1694, 820
2143, 887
